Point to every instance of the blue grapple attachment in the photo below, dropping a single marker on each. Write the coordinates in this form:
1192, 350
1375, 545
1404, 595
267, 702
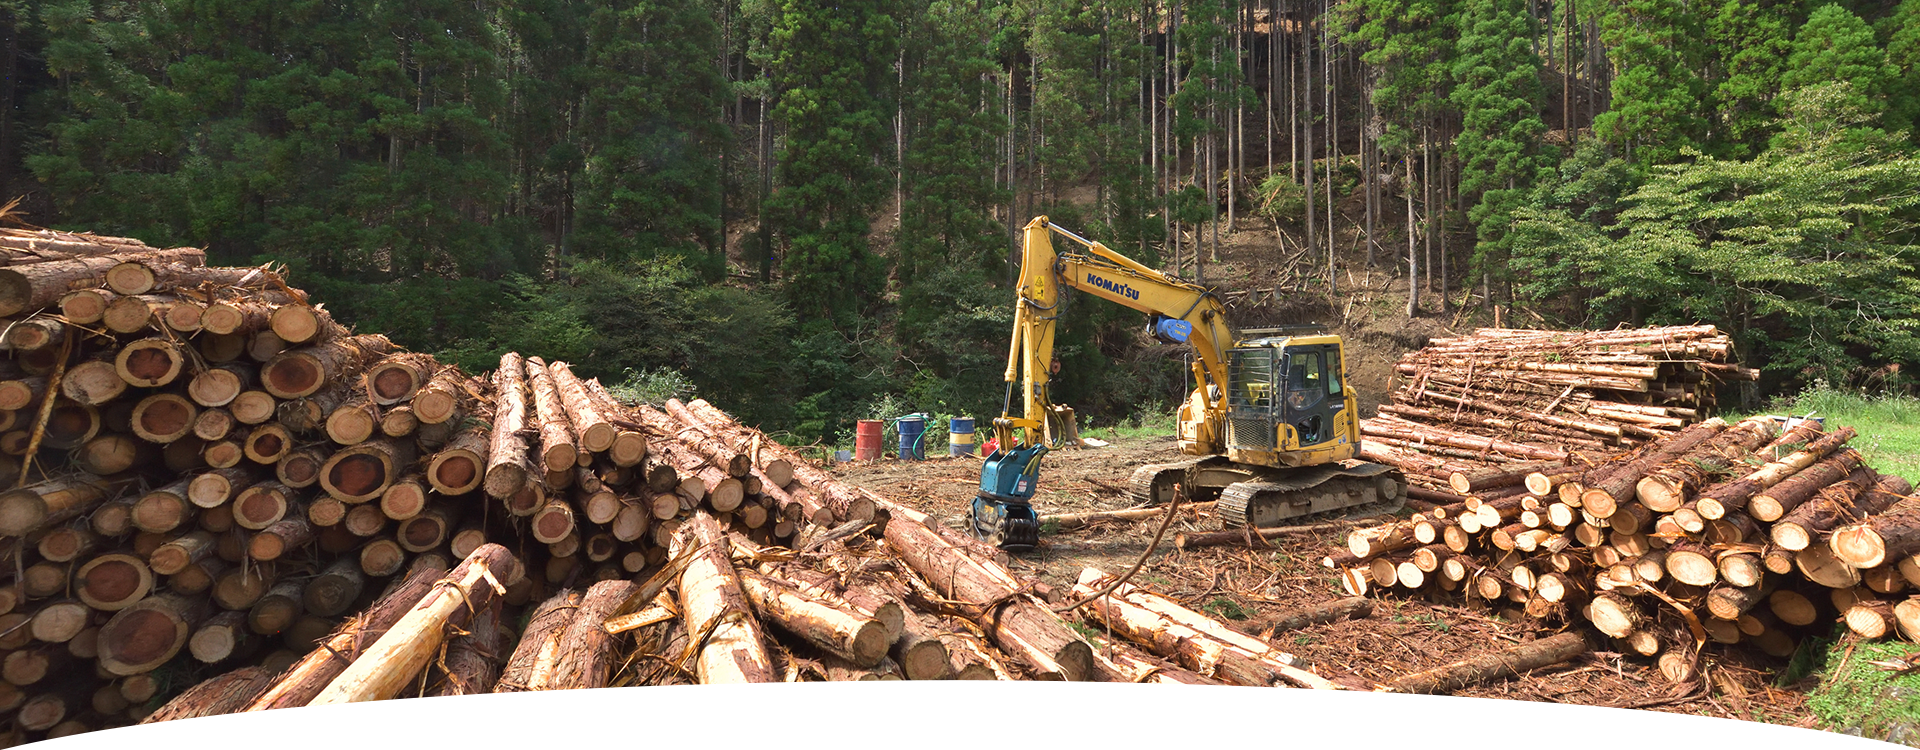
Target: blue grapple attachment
1003, 511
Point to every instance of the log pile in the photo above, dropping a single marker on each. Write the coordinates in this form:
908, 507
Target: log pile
218, 499
1715, 534
1509, 398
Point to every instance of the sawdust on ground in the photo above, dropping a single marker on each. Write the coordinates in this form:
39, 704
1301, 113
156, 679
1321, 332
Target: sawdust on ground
1251, 587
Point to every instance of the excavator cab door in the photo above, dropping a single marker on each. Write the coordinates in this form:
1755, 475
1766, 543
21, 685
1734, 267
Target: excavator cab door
1313, 392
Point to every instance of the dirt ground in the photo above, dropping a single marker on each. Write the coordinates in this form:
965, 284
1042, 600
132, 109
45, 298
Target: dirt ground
1250, 587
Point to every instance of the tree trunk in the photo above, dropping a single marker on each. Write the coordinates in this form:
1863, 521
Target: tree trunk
861, 640
1837, 503
1777, 501
1733, 495
1667, 487
38, 285
460, 467
362, 472
596, 433
473, 659
439, 400
1188, 646
147, 634
223, 694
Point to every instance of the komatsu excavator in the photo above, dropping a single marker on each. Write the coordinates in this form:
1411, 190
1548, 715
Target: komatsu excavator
1272, 425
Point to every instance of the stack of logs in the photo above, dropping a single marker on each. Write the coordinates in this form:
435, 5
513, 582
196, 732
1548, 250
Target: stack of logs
1718, 533
1508, 396
216, 486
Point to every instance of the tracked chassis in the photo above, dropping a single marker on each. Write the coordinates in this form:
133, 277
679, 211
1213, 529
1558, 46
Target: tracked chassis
1266, 497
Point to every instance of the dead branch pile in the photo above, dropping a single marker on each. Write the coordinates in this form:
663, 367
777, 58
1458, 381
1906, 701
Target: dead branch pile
1714, 534
223, 501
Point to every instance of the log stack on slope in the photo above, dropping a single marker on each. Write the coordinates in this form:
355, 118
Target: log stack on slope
1715, 534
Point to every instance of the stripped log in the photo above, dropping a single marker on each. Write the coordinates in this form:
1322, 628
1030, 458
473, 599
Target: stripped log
508, 467
1512, 661
306, 679
710, 595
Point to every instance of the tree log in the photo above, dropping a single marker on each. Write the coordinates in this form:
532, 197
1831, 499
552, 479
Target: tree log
1733, 495
306, 679
473, 659
303, 372
1189, 647
362, 472
1509, 662
558, 447
538, 643
1775, 502
711, 598
39, 506
223, 694
585, 654
386, 667
31, 287
842, 631
508, 467
1849, 499
147, 634
1665, 488
1602, 497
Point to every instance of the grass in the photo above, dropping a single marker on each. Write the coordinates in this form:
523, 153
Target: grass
1145, 424
1888, 425
1860, 697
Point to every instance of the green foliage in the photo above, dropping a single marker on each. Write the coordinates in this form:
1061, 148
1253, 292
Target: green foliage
1887, 421
1903, 60
1226, 609
1754, 38
1497, 90
1658, 98
1867, 699
832, 70
1836, 46
1406, 39
1806, 252
653, 387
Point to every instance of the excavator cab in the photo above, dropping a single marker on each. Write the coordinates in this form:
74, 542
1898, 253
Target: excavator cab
1285, 394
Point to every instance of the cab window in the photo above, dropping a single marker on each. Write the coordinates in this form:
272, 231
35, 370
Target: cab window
1307, 372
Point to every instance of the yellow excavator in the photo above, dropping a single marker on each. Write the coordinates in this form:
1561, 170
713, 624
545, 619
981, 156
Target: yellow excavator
1271, 422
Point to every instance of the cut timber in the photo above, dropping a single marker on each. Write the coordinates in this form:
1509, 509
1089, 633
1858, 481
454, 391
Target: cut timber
557, 445
404, 499
113, 582
460, 467
1014, 712
149, 363
1890, 534
1602, 497
39, 506
1667, 487
300, 323
1466, 484
1906, 615
1792, 607
286, 535
1775, 502
163, 418
1019, 624
303, 372
270, 444
306, 678
439, 400
861, 640
1817, 564
508, 468
1870, 618
1243, 720
335, 589
472, 663
386, 667
734, 650
1191, 648
676, 708
1733, 495
93, 382
147, 634
1509, 662
222, 694
595, 432
219, 638
920, 652
1350, 608
1848, 499
277, 609
696, 433
362, 472
39, 285
158, 271
778, 468
241, 316
585, 654
397, 378
544, 627
352, 422
1077, 520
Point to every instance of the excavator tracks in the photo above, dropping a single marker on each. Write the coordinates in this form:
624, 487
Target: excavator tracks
1267, 497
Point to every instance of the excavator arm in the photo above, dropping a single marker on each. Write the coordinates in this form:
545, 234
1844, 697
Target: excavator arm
1181, 312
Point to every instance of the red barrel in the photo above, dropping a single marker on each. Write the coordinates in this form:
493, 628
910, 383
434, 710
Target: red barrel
866, 440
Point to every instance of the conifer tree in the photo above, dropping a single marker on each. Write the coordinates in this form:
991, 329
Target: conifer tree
1658, 96
1497, 90
1835, 45
832, 65
1752, 39
653, 135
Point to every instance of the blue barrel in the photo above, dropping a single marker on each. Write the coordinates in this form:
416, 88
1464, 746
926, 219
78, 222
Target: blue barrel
912, 428
960, 436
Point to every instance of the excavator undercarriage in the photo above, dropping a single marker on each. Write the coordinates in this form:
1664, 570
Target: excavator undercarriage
1266, 497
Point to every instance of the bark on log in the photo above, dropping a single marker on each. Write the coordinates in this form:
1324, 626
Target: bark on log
362, 472
544, 627
1509, 662
38, 285
223, 694
473, 659
1603, 497
439, 400
460, 467
1891, 534
558, 448
861, 640
585, 654
39, 506
1665, 488
1846, 500
710, 597
1733, 495
1191, 648
777, 468
508, 467
301, 323
386, 667
163, 272
303, 372
147, 634
596, 434
311, 674
1775, 502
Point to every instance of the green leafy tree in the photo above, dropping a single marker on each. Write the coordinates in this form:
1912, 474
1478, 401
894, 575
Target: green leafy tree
1753, 39
1806, 252
1497, 91
651, 124
1903, 61
833, 69
1835, 45
1658, 102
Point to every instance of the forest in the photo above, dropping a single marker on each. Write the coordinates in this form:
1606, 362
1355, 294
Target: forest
807, 210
